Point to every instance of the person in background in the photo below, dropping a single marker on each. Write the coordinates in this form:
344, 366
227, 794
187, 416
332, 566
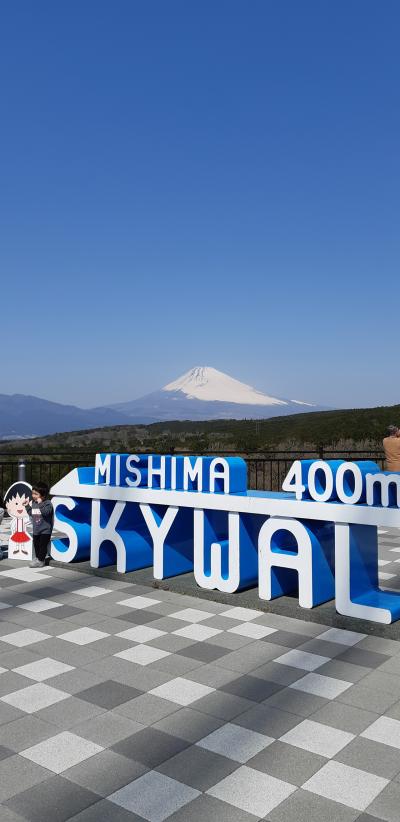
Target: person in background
42, 516
391, 445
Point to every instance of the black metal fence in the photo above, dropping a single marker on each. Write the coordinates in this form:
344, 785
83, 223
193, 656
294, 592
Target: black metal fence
266, 472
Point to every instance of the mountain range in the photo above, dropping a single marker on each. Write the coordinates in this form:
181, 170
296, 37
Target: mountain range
203, 393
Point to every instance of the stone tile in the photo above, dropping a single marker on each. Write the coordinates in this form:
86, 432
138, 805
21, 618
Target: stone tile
23, 574
252, 630
344, 670
34, 697
296, 702
75, 681
303, 806
391, 666
17, 774
302, 660
147, 709
202, 651
37, 804
344, 717
76, 655
144, 617
105, 811
218, 621
235, 742
390, 647
20, 733
248, 658
197, 633
5, 752
371, 699
61, 751
387, 803
10, 682
182, 691
281, 674
14, 658
212, 674
43, 669
177, 664
383, 681
317, 738
287, 762
223, 706
198, 768
342, 637
83, 636
22, 638
36, 606
171, 642
141, 633
233, 642
322, 648
267, 720
70, 712
241, 614
138, 602
8, 714
111, 645
120, 670
91, 591
188, 724
325, 686
192, 615
368, 659
252, 791
105, 772
154, 796
341, 783
150, 746
384, 730
208, 808
378, 759
108, 728
142, 654
288, 639
108, 694
250, 687
65, 612
112, 625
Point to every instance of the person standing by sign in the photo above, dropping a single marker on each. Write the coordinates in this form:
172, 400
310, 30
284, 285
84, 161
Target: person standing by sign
391, 445
42, 515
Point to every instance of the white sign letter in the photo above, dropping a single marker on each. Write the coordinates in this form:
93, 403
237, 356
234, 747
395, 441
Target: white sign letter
158, 532
300, 561
215, 578
108, 532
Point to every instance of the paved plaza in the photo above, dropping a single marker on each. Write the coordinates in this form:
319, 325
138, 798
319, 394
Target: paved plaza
124, 702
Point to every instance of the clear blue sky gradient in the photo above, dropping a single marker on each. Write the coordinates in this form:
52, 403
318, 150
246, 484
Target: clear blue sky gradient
200, 182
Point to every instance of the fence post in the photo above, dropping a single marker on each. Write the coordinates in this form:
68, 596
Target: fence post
21, 471
321, 451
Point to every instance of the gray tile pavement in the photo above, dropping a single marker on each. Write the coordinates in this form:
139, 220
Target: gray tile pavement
124, 703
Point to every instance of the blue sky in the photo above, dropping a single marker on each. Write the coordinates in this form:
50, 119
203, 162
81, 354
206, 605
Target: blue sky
200, 182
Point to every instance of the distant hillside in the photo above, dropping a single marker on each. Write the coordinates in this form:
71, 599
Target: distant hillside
24, 416
363, 427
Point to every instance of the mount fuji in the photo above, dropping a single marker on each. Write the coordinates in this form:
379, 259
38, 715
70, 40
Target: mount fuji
204, 393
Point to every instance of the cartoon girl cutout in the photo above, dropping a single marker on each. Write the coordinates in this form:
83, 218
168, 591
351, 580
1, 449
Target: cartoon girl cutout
16, 499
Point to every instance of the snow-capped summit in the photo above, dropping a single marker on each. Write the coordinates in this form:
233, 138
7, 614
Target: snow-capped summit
208, 384
203, 393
